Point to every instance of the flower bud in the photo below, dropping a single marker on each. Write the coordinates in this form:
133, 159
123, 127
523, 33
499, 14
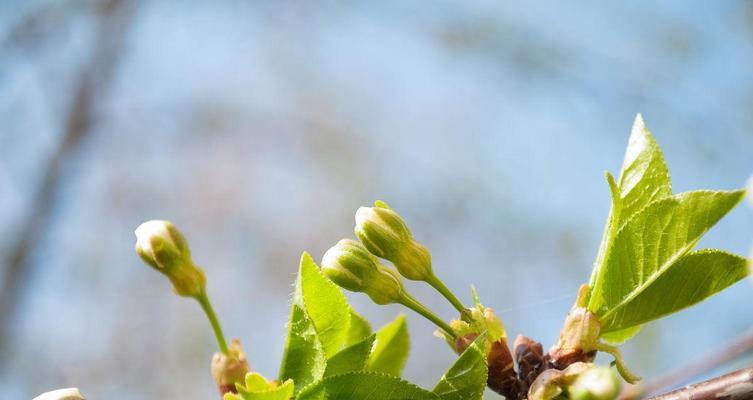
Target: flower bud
61, 394
551, 383
162, 246
597, 383
385, 234
349, 265
229, 369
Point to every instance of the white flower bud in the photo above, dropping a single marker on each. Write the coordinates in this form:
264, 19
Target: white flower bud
161, 245
61, 394
385, 234
349, 265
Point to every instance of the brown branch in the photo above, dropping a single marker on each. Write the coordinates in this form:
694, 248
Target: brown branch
709, 361
736, 385
114, 17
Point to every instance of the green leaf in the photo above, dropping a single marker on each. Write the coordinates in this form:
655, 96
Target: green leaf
619, 337
254, 382
350, 359
466, 379
325, 305
651, 242
359, 329
391, 349
364, 385
644, 178
688, 281
304, 359
257, 388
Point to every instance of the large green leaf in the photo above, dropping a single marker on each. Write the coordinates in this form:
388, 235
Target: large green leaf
364, 385
651, 242
350, 359
325, 305
688, 281
644, 178
391, 349
466, 379
359, 329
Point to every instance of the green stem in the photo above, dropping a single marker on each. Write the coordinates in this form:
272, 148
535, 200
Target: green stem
437, 284
209, 311
408, 301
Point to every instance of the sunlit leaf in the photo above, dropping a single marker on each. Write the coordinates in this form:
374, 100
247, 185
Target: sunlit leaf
644, 178
651, 242
359, 329
466, 379
258, 388
688, 281
391, 349
364, 385
350, 359
325, 305
304, 359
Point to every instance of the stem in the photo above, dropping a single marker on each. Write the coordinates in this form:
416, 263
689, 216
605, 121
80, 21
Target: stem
408, 301
209, 311
437, 284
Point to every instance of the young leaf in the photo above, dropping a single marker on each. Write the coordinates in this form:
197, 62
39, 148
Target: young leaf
257, 388
620, 336
654, 239
688, 281
325, 305
466, 379
644, 178
304, 359
364, 385
359, 329
391, 349
350, 359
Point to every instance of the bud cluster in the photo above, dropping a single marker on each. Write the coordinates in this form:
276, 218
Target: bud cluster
383, 234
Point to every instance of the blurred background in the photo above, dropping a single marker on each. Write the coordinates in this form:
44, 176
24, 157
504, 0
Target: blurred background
260, 127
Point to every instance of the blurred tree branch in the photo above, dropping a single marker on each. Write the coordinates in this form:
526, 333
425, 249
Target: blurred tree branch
715, 358
736, 385
114, 18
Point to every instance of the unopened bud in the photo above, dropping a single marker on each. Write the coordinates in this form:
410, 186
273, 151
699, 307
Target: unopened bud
597, 383
230, 368
385, 234
349, 265
578, 339
61, 394
551, 383
473, 322
162, 246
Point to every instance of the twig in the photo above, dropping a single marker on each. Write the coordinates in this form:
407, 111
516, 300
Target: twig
736, 385
114, 19
709, 361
